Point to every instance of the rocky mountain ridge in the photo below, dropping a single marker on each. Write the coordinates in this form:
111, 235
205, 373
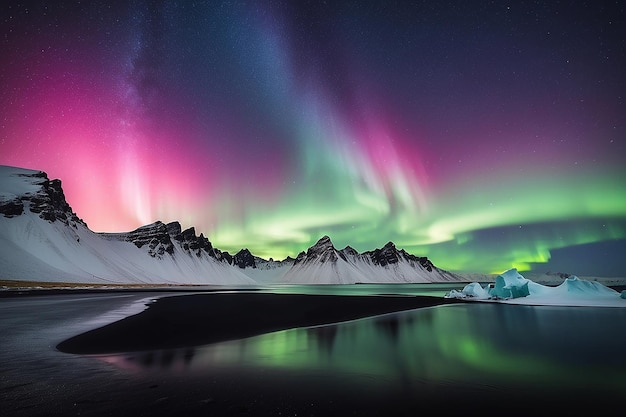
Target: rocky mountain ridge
26, 191
325, 251
323, 263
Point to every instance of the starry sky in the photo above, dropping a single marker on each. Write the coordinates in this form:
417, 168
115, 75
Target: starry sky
483, 134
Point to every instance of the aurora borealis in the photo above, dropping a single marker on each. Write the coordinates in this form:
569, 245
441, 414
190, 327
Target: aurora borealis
484, 135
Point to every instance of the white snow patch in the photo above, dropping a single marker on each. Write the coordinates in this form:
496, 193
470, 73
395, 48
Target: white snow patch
17, 181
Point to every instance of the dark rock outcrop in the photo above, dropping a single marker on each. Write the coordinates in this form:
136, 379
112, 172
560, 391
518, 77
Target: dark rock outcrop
161, 238
192, 243
11, 208
349, 251
154, 235
244, 259
390, 255
223, 256
299, 258
322, 251
48, 201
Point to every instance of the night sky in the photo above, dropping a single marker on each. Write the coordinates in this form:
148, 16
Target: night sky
484, 135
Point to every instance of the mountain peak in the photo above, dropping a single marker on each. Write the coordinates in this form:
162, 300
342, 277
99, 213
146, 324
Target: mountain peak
323, 264
324, 241
174, 228
154, 235
349, 251
323, 249
244, 259
24, 189
322, 245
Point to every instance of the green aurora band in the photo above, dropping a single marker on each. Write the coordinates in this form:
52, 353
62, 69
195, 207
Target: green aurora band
531, 217
475, 136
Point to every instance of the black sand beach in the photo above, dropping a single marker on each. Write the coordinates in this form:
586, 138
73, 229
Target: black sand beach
193, 320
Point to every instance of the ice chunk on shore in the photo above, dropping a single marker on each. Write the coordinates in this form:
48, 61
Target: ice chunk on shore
473, 290
511, 285
575, 285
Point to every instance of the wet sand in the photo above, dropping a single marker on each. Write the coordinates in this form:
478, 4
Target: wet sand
200, 319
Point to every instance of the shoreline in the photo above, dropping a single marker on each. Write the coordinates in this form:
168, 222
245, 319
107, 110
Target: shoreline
390, 365
199, 319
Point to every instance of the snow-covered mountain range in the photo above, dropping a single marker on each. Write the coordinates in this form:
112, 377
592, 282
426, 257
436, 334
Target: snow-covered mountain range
323, 264
42, 239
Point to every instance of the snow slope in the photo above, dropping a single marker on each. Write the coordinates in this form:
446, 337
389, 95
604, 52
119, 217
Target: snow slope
34, 249
269, 272
64, 249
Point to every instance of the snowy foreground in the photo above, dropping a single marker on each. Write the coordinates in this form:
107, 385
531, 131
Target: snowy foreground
511, 287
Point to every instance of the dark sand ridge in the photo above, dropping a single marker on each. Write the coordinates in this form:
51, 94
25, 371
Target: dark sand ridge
200, 319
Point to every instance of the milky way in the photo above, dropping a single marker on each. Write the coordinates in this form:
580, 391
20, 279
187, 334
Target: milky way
485, 136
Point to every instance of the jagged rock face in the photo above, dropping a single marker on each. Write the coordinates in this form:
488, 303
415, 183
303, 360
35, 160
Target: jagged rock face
173, 229
322, 251
48, 201
154, 235
244, 259
390, 255
385, 256
192, 243
349, 252
161, 239
425, 262
11, 208
301, 257
223, 256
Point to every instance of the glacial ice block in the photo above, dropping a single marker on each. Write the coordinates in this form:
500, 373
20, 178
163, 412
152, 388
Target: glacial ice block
513, 287
475, 290
574, 285
510, 284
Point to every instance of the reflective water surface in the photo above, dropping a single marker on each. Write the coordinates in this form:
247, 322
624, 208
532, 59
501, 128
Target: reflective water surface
438, 289
455, 359
485, 348
432, 289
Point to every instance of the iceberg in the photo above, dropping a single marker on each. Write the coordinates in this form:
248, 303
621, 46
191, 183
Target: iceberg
575, 285
472, 290
511, 286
